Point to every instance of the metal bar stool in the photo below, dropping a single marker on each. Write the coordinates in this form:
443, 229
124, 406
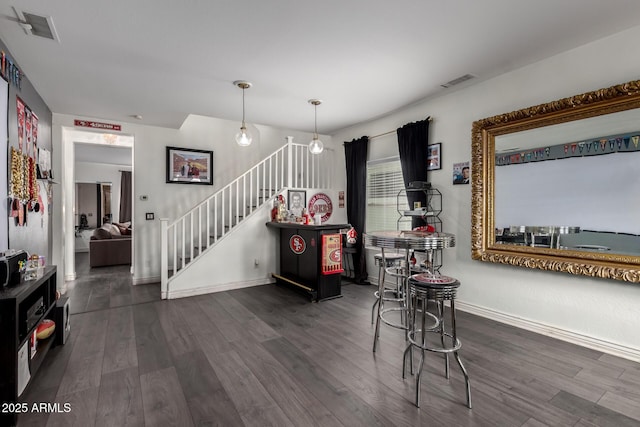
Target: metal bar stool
421, 289
403, 240
401, 273
384, 262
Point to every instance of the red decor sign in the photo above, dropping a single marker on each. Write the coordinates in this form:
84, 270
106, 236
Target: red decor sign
297, 244
332, 254
97, 125
321, 204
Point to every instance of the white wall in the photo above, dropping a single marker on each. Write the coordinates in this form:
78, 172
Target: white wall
171, 200
603, 310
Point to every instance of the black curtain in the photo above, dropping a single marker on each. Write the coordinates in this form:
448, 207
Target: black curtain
356, 163
413, 139
125, 196
99, 205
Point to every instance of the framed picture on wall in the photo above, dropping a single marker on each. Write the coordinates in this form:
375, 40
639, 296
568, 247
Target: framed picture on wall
434, 160
461, 173
297, 201
189, 166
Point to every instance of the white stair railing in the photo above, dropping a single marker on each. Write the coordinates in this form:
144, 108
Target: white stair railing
188, 237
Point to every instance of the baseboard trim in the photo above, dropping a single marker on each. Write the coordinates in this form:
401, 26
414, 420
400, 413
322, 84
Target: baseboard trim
183, 293
552, 331
70, 277
146, 280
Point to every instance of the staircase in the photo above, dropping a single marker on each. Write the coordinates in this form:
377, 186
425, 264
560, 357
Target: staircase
188, 238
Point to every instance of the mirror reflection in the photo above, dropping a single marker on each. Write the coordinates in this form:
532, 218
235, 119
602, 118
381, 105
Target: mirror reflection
555, 187
571, 185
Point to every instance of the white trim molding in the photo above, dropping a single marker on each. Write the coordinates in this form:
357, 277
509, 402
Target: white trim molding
552, 331
146, 280
216, 288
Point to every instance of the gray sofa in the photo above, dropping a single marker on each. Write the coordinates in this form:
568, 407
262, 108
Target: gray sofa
107, 249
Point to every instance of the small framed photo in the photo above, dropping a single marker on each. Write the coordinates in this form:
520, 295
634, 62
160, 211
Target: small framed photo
297, 200
461, 173
189, 166
434, 159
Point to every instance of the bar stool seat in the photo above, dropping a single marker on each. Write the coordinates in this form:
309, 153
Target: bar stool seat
423, 288
389, 263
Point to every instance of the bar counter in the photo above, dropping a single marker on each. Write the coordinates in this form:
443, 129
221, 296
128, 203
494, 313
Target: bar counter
310, 258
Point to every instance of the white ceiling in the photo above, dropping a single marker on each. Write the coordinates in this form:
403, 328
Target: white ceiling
106, 154
166, 59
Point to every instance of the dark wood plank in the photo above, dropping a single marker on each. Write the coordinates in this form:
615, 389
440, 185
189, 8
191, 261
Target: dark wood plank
120, 294
120, 400
592, 412
151, 345
179, 336
82, 409
445, 398
36, 395
347, 407
296, 401
208, 401
163, 399
267, 356
120, 344
626, 404
246, 318
256, 408
611, 381
494, 359
84, 368
141, 294
100, 297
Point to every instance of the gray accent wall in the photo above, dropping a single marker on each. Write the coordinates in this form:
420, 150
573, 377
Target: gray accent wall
35, 237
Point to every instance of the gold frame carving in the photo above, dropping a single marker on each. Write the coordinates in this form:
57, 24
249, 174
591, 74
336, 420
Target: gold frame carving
603, 101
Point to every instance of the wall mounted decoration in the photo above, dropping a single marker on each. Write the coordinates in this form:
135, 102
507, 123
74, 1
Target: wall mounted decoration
434, 160
461, 173
189, 166
10, 71
297, 201
320, 204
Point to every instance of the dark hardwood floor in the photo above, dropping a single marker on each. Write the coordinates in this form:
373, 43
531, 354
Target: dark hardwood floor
266, 356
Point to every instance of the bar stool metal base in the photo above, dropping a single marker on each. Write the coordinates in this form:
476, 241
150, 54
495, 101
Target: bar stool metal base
423, 288
384, 261
400, 272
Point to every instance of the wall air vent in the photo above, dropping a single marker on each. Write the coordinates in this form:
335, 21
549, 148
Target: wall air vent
458, 80
37, 25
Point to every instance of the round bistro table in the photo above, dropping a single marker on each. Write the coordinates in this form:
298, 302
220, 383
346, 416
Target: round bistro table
406, 240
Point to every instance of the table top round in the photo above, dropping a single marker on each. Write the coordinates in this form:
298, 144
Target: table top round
407, 239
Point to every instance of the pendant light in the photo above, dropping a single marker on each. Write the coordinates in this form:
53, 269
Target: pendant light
243, 138
315, 146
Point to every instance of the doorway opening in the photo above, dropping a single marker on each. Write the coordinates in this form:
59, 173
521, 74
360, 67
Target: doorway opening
96, 202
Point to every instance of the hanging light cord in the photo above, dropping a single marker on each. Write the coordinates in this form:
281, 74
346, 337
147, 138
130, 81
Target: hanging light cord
243, 124
315, 122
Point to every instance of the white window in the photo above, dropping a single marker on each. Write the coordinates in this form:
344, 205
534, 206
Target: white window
384, 182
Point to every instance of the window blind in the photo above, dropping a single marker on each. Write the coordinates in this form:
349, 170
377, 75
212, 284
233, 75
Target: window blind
384, 182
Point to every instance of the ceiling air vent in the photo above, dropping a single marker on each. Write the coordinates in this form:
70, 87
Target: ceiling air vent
458, 80
37, 25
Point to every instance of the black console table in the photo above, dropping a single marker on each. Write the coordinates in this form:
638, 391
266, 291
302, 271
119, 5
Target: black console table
22, 307
311, 258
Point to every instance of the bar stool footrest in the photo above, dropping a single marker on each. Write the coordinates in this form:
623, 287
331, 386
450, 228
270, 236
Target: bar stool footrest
389, 322
415, 343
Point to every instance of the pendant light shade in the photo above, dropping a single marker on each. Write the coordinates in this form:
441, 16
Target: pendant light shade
315, 146
243, 138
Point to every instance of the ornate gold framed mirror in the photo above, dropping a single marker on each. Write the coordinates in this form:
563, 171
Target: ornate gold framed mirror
554, 186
